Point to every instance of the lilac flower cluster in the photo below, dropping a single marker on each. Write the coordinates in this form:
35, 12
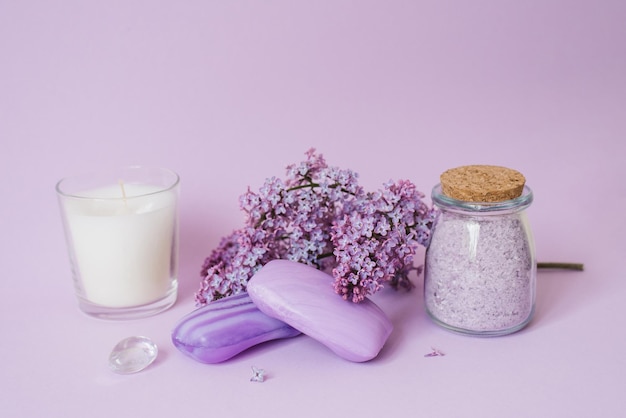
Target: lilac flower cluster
321, 217
376, 242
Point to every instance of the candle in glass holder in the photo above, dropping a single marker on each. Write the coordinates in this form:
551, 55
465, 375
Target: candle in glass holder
122, 234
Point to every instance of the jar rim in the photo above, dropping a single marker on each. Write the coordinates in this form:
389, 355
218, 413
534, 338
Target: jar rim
519, 203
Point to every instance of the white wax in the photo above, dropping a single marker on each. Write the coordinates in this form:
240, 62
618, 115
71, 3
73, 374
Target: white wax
123, 247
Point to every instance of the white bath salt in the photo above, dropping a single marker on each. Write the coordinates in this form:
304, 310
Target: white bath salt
480, 273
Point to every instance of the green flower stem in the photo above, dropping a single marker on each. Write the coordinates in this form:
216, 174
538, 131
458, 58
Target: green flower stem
562, 266
312, 185
303, 186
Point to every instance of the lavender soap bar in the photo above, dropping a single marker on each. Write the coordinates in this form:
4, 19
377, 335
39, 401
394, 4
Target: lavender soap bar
225, 328
303, 297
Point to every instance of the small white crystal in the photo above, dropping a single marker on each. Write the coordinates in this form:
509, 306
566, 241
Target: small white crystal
258, 375
132, 355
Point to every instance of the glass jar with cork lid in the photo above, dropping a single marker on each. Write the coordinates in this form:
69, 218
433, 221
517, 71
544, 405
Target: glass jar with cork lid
480, 270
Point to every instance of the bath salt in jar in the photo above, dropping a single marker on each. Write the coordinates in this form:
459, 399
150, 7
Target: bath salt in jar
480, 270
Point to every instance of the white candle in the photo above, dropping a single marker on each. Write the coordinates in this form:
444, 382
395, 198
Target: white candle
123, 246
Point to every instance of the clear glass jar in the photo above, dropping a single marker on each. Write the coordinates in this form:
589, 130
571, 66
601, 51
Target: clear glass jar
480, 270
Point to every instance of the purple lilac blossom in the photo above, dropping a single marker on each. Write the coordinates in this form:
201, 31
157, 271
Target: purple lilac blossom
320, 216
376, 243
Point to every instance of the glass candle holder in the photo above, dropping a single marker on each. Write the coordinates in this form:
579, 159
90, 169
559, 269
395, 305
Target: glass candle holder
121, 229
480, 269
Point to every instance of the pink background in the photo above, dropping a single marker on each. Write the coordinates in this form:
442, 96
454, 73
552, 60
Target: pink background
229, 93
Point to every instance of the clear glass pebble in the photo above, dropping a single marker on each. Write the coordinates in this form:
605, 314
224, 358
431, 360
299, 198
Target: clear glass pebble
132, 355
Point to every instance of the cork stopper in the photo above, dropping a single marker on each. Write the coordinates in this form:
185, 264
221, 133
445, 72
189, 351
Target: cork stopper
482, 183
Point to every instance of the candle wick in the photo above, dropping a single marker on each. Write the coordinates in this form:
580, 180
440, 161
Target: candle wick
121, 183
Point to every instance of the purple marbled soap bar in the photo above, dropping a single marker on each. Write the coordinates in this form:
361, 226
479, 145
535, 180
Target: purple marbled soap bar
304, 298
225, 328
